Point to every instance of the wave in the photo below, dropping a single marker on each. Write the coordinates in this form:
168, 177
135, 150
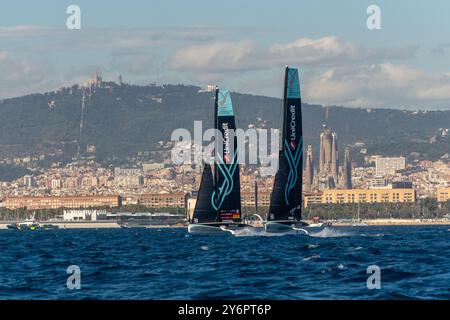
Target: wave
330, 233
311, 258
261, 232
123, 266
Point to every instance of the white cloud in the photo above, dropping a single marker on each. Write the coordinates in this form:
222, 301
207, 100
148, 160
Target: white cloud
215, 57
340, 71
332, 69
332, 51
62, 39
22, 76
379, 85
245, 55
24, 31
316, 51
442, 49
134, 64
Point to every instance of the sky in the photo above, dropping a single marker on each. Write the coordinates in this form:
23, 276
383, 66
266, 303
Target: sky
240, 45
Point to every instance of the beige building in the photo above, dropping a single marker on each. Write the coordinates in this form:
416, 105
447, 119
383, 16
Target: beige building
335, 196
162, 200
443, 194
54, 202
248, 198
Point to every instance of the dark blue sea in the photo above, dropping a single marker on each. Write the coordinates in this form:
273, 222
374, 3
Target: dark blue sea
414, 263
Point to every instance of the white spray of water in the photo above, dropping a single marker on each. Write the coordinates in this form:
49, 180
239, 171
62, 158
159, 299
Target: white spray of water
258, 232
261, 232
372, 235
330, 233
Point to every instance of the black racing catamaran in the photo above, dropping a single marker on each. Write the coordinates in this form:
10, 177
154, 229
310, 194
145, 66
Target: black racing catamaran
286, 199
218, 206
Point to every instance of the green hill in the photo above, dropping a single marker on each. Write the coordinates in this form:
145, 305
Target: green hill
123, 120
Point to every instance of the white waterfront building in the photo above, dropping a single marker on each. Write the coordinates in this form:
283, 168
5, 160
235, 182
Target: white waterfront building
84, 215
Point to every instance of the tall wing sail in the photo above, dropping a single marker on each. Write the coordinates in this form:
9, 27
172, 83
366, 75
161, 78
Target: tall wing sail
204, 211
227, 196
285, 202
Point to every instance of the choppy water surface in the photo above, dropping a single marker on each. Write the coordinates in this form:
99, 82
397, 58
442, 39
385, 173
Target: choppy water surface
171, 264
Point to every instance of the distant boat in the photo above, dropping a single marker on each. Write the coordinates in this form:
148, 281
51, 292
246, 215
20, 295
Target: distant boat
318, 224
358, 222
285, 202
30, 224
218, 206
25, 225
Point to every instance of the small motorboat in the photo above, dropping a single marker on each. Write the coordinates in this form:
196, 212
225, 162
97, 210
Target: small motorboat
30, 224
359, 224
318, 223
26, 225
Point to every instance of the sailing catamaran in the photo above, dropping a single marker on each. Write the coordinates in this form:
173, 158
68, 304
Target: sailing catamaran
218, 206
358, 222
285, 203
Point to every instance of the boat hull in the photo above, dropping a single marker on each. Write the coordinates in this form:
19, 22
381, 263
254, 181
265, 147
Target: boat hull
215, 228
276, 227
23, 227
